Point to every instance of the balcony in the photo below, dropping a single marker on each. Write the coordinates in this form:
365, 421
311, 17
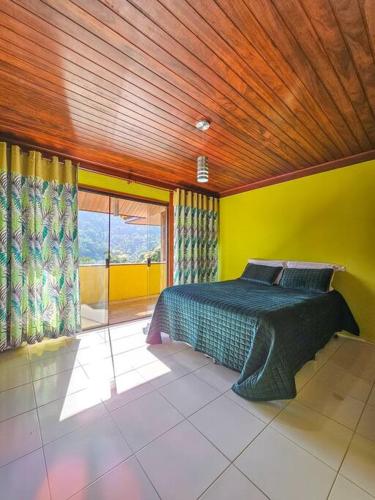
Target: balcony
119, 293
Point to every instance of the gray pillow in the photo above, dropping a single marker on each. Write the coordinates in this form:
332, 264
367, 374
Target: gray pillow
317, 280
261, 274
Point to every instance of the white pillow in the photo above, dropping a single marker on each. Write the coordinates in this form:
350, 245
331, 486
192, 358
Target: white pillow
267, 262
316, 265
272, 263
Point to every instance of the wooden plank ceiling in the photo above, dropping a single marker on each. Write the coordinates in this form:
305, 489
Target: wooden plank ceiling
134, 212
287, 85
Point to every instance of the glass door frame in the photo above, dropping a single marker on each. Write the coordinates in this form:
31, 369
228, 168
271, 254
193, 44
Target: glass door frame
169, 232
101, 273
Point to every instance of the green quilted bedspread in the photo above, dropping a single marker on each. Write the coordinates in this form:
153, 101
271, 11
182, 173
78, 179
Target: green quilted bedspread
267, 333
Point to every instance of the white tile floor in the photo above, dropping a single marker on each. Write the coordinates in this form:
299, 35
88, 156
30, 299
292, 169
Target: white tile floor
89, 419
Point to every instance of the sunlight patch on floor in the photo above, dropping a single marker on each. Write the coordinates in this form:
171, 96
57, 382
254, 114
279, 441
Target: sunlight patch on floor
111, 376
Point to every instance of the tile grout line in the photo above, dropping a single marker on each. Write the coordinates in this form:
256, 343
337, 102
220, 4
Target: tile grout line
302, 447
184, 419
214, 481
355, 484
187, 419
322, 366
67, 394
306, 405
19, 385
22, 456
278, 413
108, 415
349, 444
231, 462
295, 398
133, 368
287, 438
41, 440
133, 454
243, 474
148, 477
326, 362
21, 412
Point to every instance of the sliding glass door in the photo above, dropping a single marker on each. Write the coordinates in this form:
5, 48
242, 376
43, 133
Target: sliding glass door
123, 250
137, 258
93, 233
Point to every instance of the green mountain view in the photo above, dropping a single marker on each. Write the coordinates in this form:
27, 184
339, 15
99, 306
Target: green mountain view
129, 242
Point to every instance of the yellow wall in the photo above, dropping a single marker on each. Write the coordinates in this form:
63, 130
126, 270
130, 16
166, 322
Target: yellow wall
130, 281
93, 283
113, 183
126, 281
327, 217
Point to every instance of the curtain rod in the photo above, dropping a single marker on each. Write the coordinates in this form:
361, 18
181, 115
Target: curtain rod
109, 171
85, 164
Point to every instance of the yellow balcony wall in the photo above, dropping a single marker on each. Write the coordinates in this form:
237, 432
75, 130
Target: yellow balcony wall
93, 284
126, 281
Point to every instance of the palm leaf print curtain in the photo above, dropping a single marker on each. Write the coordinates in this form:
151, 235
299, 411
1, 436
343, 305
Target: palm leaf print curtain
195, 237
39, 280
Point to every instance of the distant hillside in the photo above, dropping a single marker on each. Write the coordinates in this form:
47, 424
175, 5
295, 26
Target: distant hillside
129, 242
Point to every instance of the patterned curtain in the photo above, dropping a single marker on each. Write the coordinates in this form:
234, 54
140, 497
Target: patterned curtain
39, 280
195, 237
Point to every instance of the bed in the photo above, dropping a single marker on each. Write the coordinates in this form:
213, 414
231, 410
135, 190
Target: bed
266, 333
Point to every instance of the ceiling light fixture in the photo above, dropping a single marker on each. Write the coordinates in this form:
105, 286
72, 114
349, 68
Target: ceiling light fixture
202, 125
202, 169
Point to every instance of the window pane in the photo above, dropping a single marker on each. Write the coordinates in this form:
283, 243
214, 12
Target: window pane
93, 237
134, 242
